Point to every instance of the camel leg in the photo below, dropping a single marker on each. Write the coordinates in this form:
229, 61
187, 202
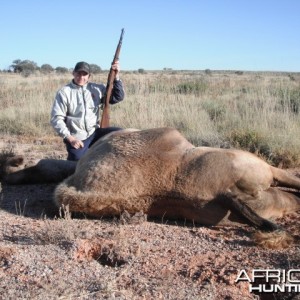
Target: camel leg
277, 203
257, 208
45, 171
285, 179
240, 208
270, 202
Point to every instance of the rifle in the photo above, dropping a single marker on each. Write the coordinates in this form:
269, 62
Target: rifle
110, 82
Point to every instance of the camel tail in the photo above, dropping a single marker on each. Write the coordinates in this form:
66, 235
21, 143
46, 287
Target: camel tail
285, 179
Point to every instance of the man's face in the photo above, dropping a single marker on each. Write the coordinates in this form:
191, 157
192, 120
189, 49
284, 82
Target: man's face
81, 77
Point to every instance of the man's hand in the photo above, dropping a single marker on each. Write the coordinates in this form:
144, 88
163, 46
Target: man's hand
74, 142
116, 68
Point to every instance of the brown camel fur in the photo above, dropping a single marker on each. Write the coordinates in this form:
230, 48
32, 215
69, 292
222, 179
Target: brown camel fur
159, 172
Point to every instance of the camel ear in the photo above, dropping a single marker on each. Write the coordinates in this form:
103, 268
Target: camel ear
15, 161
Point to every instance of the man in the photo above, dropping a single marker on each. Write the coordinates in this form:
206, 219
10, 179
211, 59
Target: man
75, 111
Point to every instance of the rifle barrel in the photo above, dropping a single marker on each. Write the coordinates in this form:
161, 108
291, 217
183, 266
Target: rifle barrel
111, 76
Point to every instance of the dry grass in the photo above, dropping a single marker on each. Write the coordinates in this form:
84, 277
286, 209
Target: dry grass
258, 112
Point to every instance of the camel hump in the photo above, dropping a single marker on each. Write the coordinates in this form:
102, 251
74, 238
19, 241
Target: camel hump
285, 179
154, 140
165, 139
175, 137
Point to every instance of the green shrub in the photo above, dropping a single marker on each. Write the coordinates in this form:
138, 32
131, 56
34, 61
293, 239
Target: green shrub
264, 147
196, 88
214, 109
249, 140
285, 158
289, 99
294, 102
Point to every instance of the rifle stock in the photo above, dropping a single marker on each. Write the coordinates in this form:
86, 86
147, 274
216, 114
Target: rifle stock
110, 82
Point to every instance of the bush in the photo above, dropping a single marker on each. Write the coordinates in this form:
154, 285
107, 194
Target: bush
95, 69
214, 109
61, 70
250, 140
285, 158
27, 72
24, 66
294, 102
208, 72
196, 87
289, 100
46, 68
239, 72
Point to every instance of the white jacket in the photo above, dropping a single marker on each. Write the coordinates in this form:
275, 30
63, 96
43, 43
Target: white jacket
75, 110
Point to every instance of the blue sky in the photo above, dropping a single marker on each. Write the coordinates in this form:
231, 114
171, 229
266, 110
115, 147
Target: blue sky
255, 35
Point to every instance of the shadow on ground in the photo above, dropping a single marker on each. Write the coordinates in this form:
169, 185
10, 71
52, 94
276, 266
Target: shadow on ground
34, 201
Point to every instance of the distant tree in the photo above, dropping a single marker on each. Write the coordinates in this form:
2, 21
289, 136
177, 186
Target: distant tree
61, 70
291, 77
207, 72
26, 67
15, 66
239, 72
95, 69
46, 68
141, 71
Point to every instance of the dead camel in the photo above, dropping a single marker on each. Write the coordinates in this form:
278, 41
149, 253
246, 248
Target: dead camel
159, 172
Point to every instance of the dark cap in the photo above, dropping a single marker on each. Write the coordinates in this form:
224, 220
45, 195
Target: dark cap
82, 66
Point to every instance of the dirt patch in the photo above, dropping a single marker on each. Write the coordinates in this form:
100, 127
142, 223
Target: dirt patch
46, 253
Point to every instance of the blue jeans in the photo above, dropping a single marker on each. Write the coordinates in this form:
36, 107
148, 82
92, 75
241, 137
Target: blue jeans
76, 154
